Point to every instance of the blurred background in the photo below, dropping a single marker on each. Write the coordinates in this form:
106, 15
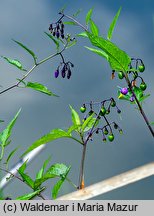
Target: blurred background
26, 22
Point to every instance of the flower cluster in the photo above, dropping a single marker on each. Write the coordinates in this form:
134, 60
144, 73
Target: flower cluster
136, 66
101, 113
65, 69
57, 29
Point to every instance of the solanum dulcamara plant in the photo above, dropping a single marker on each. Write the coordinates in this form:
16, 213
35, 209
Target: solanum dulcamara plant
94, 118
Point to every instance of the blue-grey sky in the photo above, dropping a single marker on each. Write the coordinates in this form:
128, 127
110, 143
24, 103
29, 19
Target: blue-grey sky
26, 21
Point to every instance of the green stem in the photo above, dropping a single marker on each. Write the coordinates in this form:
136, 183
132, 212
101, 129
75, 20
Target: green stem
71, 183
33, 67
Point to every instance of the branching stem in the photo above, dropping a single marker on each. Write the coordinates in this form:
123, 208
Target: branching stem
20, 179
33, 67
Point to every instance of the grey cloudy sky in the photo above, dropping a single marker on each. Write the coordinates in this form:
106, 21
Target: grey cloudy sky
26, 21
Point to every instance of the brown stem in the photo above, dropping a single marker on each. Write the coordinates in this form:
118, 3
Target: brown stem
20, 179
41, 196
139, 105
81, 174
74, 20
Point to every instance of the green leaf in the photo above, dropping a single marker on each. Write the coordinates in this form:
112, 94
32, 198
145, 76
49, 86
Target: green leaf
69, 23
88, 16
98, 52
57, 169
14, 62
117, 58
10, 156
75, 117
72, 128
39, 87
112, 26
144, 97
82, 34
29, 195
23, 167
89, 124
56, 188
152, 123
86, 122
58, 185
93, 27
6, 133
53, 135
27, 49
41, 171
54, 171
54, 40
26, 178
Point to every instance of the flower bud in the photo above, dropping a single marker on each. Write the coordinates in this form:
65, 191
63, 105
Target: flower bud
56, 73
132, 98
50, 28
97, 131
115, 126
118, 111
105, 131
62, 31
57, 34
120, 131
62, 25
54, 33
63, 72
69, 74
62, 36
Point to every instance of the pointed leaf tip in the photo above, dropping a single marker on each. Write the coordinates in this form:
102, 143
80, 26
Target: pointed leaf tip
75, 116
112, 26
14, 62
88, 16
39, 87
27, 49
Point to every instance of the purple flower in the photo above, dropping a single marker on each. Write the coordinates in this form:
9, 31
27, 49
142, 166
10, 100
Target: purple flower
132, 98
56, 73
124, 91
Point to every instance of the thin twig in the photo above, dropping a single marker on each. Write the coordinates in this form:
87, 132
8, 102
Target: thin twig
138, 104
74, 20
112, 183
31, 70
81, 174
12, 174
41, 196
